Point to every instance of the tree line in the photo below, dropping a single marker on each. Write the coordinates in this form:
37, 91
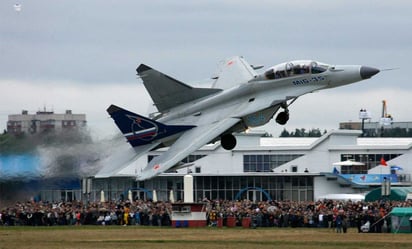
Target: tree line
316, 132
302, 132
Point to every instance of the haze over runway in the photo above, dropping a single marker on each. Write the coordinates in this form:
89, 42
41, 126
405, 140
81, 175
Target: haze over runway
82, 55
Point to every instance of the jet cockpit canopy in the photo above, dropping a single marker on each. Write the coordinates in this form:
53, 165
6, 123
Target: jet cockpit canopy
294, 68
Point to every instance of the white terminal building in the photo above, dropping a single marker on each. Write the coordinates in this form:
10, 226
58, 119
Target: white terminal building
270, 168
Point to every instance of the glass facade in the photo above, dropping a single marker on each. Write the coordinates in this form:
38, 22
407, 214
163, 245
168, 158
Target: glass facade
370, 161
255, 188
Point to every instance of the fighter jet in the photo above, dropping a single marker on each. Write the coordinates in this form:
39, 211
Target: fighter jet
239, 98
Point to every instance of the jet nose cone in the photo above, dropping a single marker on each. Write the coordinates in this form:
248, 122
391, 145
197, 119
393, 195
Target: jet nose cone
367, 72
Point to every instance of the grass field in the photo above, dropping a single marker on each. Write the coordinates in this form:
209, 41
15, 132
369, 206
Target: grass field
171, 238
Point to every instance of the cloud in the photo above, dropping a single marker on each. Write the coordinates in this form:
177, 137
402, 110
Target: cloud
97, 42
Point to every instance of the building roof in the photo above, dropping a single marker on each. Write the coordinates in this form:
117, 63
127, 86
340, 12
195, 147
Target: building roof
287, 141
385, 141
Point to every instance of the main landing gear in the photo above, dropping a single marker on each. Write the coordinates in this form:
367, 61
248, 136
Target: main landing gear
283, 117
228, 141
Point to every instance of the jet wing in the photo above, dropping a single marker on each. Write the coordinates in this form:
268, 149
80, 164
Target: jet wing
234, 71
121, 157
189, 142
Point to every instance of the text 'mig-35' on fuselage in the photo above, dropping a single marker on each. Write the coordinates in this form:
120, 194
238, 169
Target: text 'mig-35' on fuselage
239, 98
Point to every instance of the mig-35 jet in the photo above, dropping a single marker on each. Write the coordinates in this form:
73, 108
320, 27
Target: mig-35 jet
240, 98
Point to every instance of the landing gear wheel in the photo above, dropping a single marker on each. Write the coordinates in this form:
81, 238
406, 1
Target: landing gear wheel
282, 118
228, 141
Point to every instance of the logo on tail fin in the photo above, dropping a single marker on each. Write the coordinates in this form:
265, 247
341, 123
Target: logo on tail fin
141, 129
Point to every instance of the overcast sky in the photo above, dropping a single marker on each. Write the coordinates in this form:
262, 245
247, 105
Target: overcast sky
82, 55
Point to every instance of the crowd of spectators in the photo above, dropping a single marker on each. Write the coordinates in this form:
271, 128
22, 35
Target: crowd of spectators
332, 214
127, 212
338, 215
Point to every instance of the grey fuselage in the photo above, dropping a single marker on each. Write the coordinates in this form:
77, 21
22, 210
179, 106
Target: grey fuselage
257, 100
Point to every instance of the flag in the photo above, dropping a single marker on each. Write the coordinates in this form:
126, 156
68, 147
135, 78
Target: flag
383, 162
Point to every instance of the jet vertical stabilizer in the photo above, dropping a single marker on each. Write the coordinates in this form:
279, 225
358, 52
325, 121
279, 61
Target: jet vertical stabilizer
140, 130
167, 92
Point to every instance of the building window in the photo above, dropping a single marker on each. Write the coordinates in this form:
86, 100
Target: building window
69, 123
192, 158
46, 125
188, 159
266, 163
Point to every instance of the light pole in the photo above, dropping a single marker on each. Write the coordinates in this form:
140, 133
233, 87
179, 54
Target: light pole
386, 187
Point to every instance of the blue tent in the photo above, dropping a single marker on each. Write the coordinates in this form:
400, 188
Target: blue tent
19, 166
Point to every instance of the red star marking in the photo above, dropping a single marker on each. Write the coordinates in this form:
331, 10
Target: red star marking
156, 167
230, 63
